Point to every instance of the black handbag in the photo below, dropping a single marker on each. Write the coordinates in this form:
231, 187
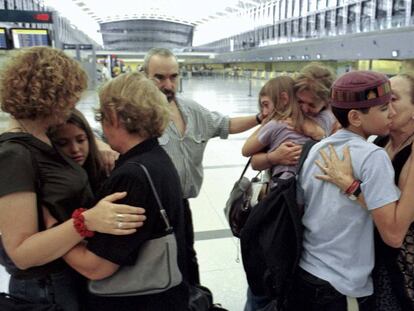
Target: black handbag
12, 303
243, 197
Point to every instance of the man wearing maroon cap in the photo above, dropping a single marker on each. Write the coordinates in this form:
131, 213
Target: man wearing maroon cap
338, 244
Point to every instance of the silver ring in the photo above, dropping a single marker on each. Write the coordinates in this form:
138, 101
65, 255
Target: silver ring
119, 225
119, 217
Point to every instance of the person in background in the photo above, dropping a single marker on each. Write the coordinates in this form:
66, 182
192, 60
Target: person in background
76, 140
312, 90
393, 272
134, 113
39, 87
187, 135
338, 242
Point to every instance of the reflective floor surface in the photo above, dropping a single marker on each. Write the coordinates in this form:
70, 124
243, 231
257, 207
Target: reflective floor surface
218, 252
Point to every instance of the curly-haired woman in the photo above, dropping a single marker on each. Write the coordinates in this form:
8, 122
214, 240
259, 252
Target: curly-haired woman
39, 88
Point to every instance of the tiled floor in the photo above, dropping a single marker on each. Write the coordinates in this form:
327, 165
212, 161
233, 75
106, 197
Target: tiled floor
218, 252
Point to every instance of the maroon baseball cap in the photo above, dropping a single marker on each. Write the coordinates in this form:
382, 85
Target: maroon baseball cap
360, 89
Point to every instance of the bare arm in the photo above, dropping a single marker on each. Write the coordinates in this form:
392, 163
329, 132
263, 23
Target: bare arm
312, 129
88, 264
27, 247
241, 124
252, 145
287, 153
391, 220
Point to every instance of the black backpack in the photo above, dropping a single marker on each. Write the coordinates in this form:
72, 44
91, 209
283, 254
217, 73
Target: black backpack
271, 240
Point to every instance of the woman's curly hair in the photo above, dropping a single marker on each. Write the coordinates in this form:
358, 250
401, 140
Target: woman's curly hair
40, 82
137, 101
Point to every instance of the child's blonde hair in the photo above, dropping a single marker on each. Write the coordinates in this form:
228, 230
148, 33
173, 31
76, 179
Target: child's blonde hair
273, 89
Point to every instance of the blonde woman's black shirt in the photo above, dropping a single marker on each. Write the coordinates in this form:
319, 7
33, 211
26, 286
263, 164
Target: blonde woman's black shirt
123, 250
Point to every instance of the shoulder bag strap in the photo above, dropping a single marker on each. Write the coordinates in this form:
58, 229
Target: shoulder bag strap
157, 198
245, 168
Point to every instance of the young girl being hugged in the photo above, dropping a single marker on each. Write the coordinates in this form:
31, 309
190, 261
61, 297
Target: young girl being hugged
75, 139
285, 123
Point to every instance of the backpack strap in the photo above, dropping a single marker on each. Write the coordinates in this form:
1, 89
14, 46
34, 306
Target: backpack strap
304, 154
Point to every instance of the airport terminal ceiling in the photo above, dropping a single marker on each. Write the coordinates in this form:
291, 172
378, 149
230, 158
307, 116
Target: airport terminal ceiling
88, 15
184, 11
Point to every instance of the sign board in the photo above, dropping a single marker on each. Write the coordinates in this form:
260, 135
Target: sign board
69, 46
21, 16
85, 47
26, 37
3, 39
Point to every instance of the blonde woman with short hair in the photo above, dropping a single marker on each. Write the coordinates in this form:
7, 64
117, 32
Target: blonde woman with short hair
134, 113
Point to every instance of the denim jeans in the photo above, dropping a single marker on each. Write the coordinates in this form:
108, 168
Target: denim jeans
311, 293
63, 288
254, 302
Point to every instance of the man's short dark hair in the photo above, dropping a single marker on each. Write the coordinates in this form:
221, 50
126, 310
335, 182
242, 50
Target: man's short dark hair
342, 115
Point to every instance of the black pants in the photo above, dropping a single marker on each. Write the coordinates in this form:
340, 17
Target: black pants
193, 271
311, 293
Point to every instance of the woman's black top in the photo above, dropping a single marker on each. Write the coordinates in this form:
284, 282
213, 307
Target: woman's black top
388, 277
123, 250
29, 164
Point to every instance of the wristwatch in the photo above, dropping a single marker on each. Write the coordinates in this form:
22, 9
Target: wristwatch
354, 195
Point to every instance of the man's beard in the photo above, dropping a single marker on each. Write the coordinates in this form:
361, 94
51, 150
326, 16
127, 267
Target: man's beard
170, 95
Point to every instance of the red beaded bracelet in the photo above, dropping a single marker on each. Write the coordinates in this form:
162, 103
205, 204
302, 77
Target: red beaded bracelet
79, 223
354, 186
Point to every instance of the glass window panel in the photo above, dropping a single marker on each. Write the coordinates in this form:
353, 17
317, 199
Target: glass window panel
282, 29
321, 4
309, 24
296, 29
289, 13
398, 8
366, 9
303, 7
282, 9
288, 28
381, 9
351, 14
296, 8
328, 19
319, 22
339, 17
311, 5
